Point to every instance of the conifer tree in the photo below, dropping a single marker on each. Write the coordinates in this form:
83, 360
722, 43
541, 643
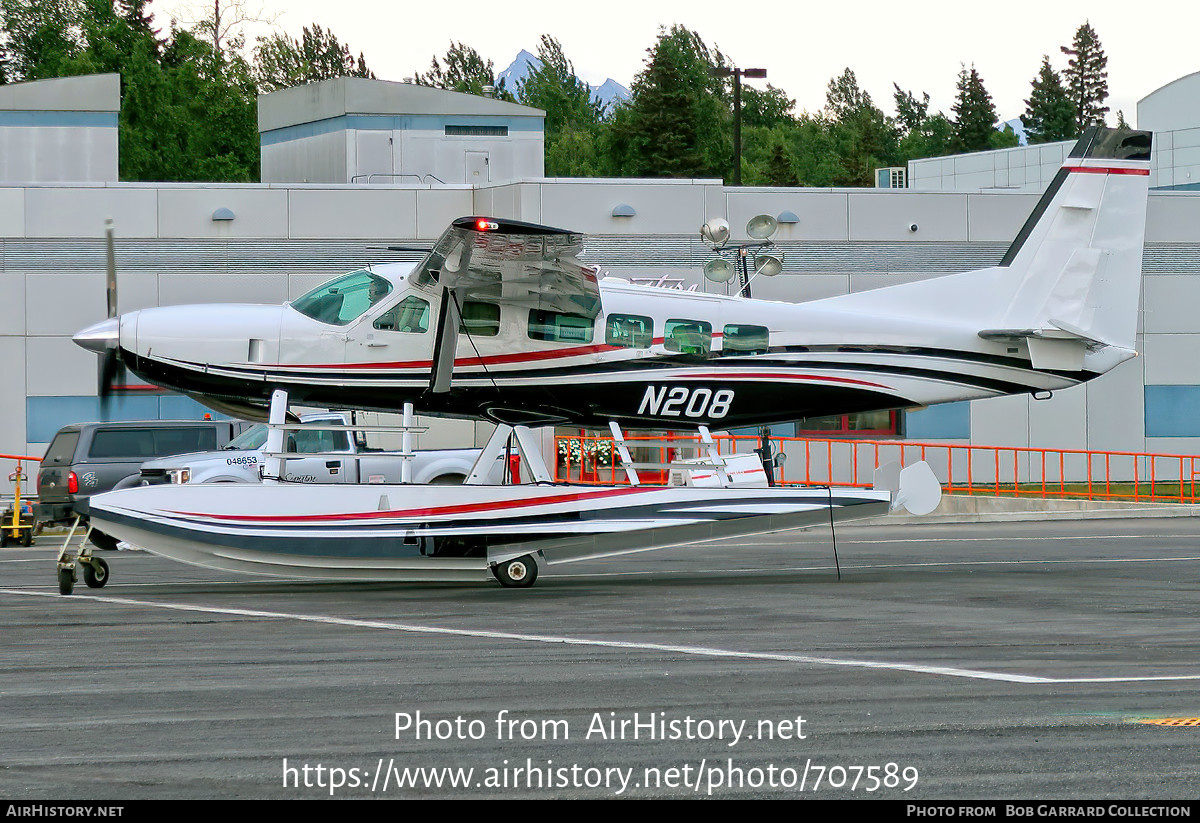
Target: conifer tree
571, 113
677, 122
780, 171
139, 19
921, 134
281, 62
865, 138
1049, 113
1086, 77
465, 70
974, 114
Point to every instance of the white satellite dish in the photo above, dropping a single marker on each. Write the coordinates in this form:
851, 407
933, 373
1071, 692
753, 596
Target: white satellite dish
715, 232
762, 227
768, 265
718, 270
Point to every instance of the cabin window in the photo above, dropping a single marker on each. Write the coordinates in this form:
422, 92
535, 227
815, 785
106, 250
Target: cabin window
630, 331
410, 315
560, 327
347, 298
690, 337
742, 339
480, 319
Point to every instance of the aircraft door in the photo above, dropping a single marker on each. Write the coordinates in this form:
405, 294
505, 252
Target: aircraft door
321, 467
401, 333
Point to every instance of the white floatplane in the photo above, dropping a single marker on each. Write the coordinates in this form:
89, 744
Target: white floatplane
501, 321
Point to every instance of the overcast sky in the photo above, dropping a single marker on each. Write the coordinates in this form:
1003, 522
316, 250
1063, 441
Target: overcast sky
920, 45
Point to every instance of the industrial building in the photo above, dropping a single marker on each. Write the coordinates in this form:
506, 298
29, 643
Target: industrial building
351, 165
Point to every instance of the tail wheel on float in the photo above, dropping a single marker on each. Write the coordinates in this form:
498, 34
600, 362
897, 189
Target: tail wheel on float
66, 581
95, 574
518, 573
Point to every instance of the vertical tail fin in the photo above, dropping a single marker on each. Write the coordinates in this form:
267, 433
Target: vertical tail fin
1078, 259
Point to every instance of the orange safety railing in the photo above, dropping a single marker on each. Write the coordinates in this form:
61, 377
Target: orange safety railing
1008, 471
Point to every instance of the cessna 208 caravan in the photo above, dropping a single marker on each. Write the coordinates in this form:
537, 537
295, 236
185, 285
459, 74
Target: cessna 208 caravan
502, 321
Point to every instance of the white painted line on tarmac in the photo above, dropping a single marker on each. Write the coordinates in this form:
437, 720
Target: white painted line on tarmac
1016, 538
697, 651
1037, 561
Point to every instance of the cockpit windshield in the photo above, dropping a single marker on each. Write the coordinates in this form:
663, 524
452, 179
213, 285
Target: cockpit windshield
345, 299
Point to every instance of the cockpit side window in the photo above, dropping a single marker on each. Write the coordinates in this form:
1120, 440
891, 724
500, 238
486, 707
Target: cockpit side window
410, 315
344, 299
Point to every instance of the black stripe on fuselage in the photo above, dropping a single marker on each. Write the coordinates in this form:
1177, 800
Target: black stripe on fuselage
387, 547
669, 362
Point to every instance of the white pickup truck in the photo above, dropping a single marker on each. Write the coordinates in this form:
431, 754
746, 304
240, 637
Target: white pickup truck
241, 460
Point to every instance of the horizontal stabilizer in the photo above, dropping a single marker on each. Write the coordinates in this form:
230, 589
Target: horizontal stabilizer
1050, 354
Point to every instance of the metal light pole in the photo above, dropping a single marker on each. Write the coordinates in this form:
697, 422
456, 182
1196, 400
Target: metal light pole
737, 75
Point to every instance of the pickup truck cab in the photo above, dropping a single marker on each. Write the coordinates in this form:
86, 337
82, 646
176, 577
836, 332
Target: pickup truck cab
89, 458
337, 457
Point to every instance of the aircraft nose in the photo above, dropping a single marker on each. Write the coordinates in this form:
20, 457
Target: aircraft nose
100, 337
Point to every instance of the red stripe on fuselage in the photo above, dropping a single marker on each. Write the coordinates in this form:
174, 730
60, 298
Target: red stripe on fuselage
1106, 170
779, 376
433, 511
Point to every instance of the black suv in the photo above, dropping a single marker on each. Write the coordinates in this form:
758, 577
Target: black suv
90, 458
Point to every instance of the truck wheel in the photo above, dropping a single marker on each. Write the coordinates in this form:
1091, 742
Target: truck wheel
95, 574
27, 537
448, 480
518, 573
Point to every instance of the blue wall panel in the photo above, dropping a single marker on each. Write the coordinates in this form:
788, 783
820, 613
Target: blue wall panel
942, 422
1173, 411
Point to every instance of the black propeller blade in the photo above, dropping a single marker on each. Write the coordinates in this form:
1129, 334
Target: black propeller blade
110, 362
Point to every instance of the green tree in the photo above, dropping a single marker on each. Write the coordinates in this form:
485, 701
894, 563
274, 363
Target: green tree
1049, 113
865, 139
571, 114
1003, 138
574, 153
677, 121
41, 36
1086, 77
815, 151
767, 156
465, 70
768, 108
921, 134
281, 62
188, 112
974, 114
140, 20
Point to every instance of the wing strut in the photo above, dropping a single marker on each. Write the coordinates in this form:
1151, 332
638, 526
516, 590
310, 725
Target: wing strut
446, 343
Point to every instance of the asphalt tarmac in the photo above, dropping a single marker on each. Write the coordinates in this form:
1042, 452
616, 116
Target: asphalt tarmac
957, 661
